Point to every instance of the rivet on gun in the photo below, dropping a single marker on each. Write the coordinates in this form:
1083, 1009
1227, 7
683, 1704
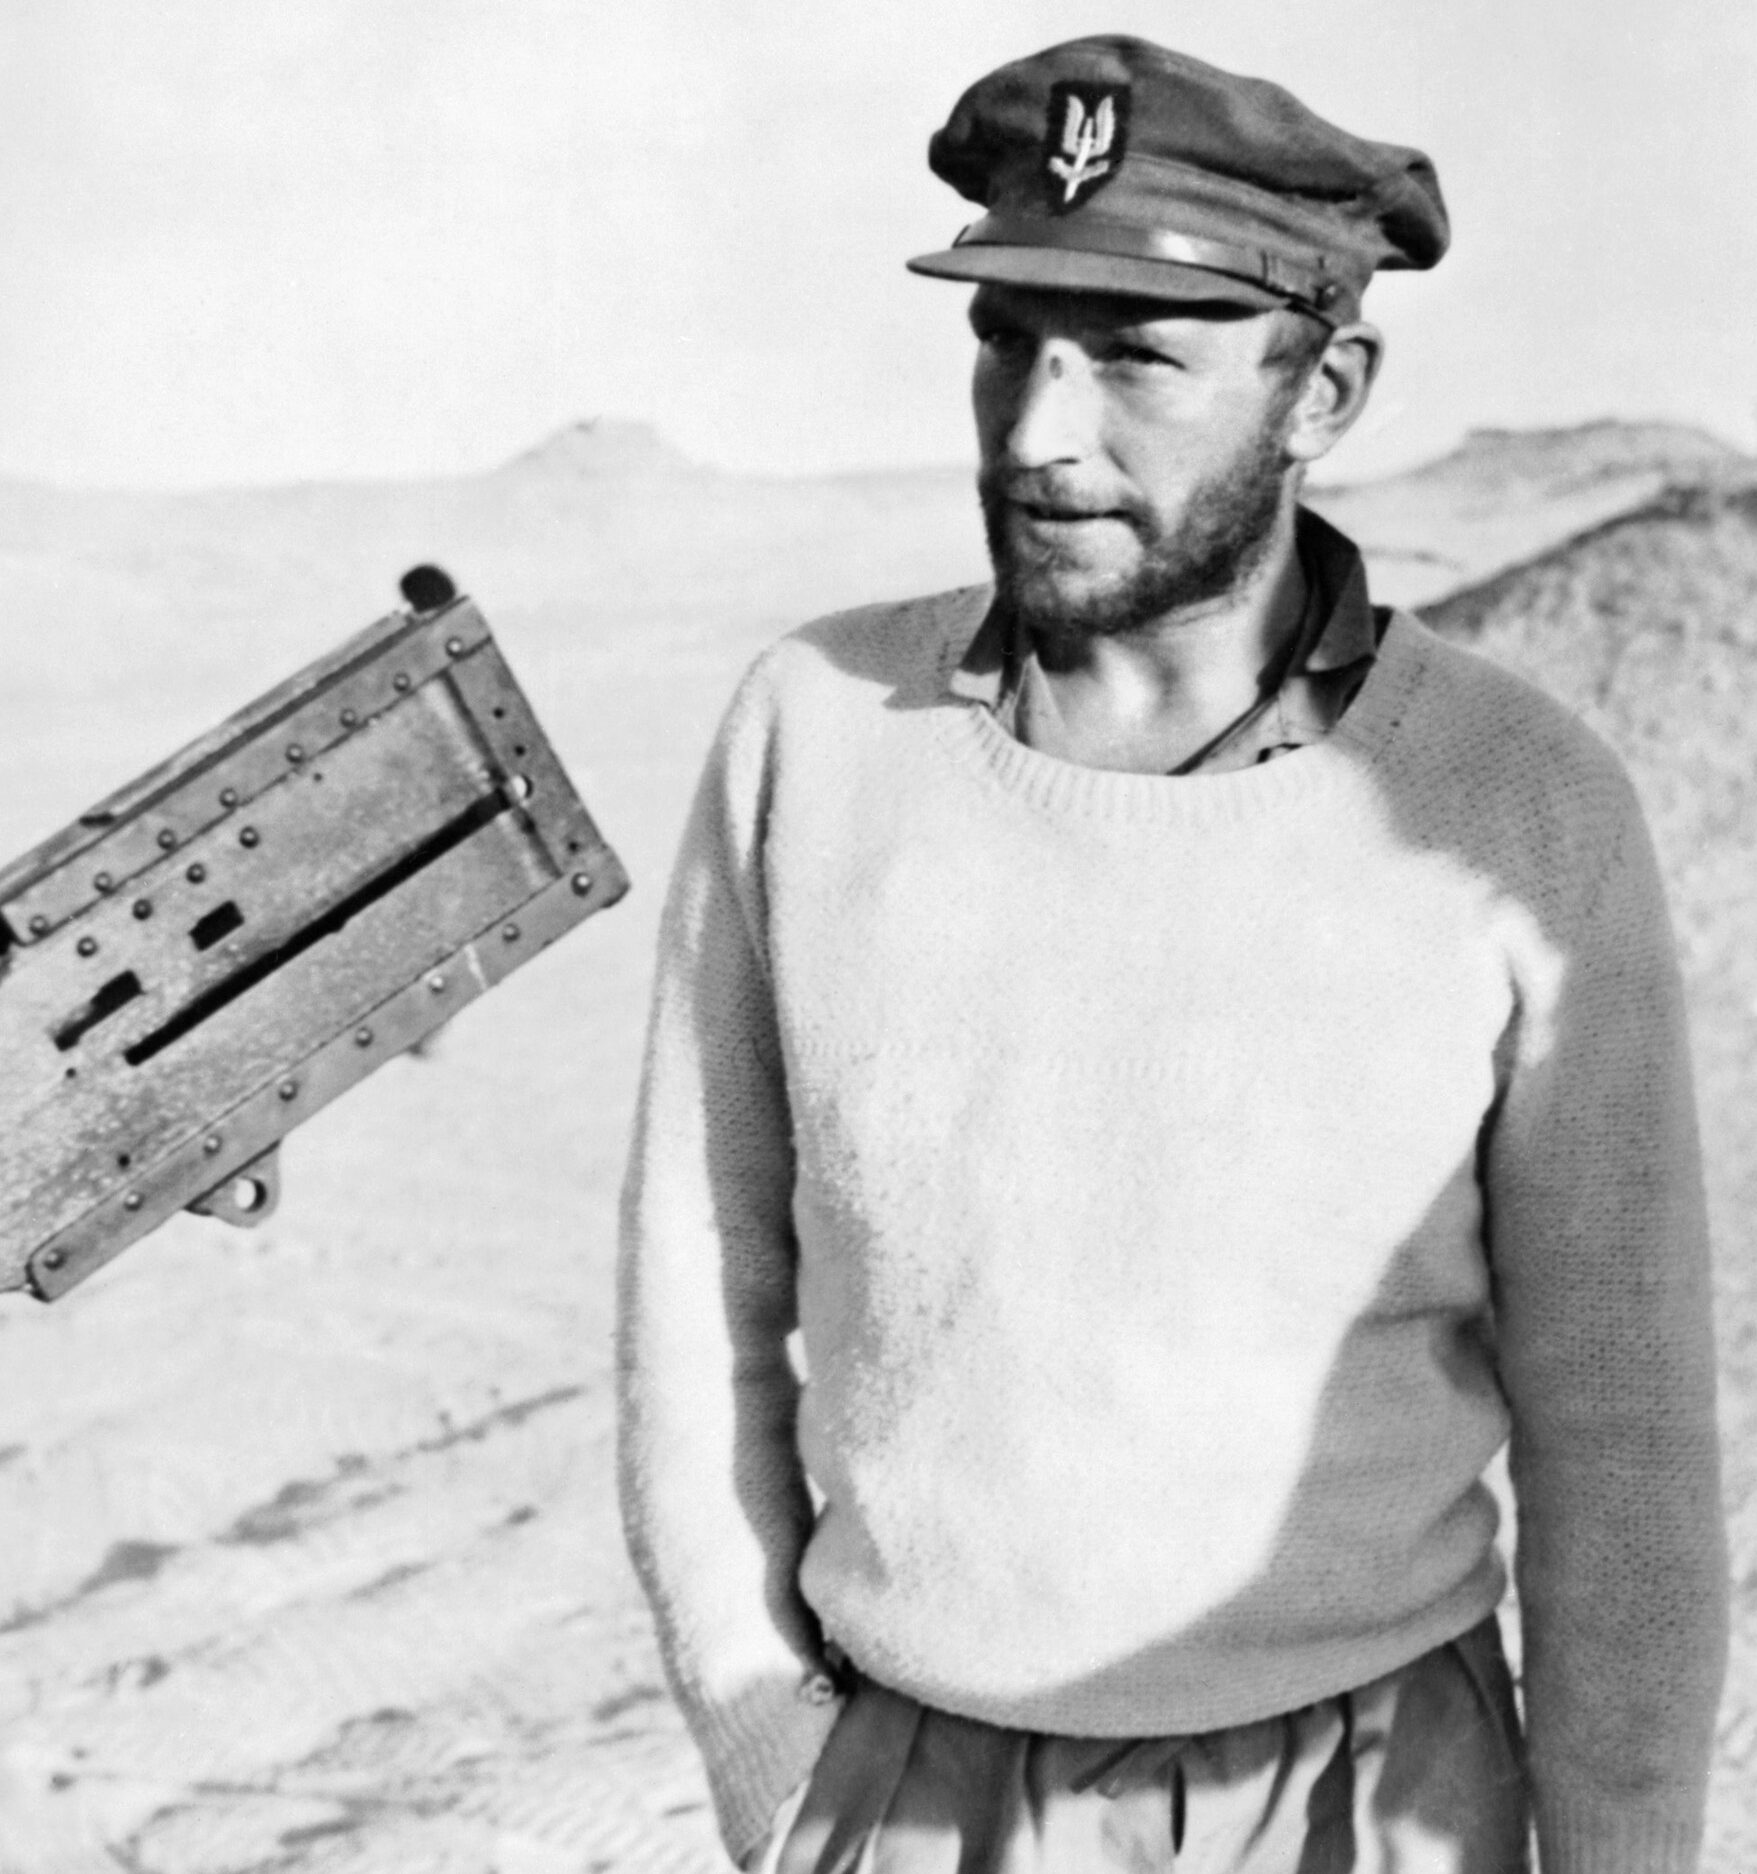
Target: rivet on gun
196, 873
454, 647
39, 924
131, 1201
211, 1144
510, 932
53, 1258
104, 882
295, 754
228, 797
87, 946
350, 717
288, 1089
582, 883
362, 1037
167, 839
400, 681
436, 982
248, 836
143, 908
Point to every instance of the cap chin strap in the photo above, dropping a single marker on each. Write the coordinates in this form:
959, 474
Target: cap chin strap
1307, 288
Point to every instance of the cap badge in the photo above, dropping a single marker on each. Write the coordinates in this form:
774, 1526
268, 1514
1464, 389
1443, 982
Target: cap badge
1087, 136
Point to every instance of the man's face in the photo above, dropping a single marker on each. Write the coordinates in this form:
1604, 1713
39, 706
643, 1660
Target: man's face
1132, 457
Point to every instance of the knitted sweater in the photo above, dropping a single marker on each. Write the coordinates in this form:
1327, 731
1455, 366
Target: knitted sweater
1181, 1188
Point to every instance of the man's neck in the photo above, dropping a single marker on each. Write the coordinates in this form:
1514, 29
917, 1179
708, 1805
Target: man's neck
1145, 700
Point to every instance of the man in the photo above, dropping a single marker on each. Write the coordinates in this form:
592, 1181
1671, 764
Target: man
1200, 1062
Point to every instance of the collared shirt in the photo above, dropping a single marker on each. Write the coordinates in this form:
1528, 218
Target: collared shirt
1000, 669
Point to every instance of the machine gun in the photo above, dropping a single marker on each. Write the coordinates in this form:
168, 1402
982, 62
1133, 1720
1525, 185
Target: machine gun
202, 961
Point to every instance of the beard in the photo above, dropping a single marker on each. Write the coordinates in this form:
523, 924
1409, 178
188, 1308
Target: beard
1217, 545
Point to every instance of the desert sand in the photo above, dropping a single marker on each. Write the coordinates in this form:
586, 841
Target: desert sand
309, 1553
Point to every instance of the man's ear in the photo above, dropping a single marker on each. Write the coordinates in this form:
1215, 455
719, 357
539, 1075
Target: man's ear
1336, 392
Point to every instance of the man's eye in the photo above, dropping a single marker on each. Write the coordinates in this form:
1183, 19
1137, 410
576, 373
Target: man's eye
1006, 341
1146, 356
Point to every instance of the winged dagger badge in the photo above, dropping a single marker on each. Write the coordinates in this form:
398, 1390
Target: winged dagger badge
1087, 134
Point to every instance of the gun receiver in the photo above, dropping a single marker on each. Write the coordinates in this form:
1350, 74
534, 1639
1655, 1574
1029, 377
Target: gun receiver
205, 959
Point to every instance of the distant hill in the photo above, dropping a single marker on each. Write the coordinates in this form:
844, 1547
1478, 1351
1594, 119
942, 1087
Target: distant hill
1501, 462
1504, 496
600, 448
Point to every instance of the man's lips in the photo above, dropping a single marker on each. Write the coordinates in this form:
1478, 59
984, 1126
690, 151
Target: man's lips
1059, 514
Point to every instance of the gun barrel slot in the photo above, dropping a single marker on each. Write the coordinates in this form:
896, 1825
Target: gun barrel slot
116, 994
220, 922
211, 1000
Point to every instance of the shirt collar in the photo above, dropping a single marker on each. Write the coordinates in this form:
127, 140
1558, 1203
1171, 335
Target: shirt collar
1336, 582
1336, 578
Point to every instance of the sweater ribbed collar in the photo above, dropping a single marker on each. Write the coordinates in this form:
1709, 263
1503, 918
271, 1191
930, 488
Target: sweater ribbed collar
1297, 782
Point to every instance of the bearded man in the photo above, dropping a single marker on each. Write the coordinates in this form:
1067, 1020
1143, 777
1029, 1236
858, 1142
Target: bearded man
1200, 1064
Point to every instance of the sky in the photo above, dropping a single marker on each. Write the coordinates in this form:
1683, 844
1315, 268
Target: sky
249, 241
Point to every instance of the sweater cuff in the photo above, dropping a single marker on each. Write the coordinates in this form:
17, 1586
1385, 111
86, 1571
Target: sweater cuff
758, 1749
1599, 1837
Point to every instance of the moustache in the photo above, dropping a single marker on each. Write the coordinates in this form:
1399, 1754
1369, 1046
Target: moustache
1054, 497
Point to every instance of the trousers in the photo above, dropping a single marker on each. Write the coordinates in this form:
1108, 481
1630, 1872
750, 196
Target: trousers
1418, 1772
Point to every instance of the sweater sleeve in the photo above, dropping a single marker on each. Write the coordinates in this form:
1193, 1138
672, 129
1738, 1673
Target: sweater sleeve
1599, 1246
714, 1499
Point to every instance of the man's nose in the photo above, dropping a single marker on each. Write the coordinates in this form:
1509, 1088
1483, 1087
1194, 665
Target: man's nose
1055, 411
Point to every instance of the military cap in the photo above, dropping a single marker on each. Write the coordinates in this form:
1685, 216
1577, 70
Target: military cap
1112, 165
